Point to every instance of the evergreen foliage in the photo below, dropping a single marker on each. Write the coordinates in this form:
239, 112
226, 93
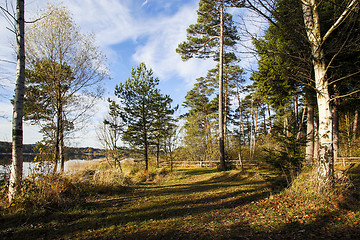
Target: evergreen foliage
145, 109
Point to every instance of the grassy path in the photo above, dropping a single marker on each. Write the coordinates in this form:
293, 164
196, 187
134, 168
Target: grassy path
192, 204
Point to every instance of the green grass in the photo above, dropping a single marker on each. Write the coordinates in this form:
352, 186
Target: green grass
192, 203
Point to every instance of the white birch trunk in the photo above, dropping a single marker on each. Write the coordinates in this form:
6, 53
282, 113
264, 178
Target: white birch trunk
310, 133
17, 126
326, 153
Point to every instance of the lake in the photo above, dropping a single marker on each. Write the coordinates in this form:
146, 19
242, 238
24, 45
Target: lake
29, 165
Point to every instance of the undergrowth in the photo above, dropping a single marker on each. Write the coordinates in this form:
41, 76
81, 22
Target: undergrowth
58, 191
343, 193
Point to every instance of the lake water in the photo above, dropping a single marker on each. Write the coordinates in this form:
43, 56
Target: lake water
30, 166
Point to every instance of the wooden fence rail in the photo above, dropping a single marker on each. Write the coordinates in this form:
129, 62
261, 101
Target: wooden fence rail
347, 160
237, 163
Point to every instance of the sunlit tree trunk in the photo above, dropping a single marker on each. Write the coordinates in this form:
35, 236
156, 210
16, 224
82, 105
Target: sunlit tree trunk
17, 126
221, 101
335, 115
316, 41
270, 123
355, 126
310, 132
62, 145
326, 153
255, 131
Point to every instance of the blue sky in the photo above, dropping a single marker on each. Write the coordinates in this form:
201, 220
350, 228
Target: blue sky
128, 32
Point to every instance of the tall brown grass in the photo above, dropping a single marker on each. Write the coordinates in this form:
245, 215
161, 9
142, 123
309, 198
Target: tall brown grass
307, 187
57, 191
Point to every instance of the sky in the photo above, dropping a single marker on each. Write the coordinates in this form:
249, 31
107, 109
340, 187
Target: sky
128, 32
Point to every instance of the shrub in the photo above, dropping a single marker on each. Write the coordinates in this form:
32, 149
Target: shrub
288, 158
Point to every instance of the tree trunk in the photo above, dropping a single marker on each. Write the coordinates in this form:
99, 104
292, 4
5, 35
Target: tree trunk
221, 111
355, 126
157, 154
255, 131
300, 129
58, 128
348, 134
241, 128
146, 152
264, 122
225, 114
286, 123
17, 125
309, 157
335, 115
270, 124
326, 153
62, 147
316, 137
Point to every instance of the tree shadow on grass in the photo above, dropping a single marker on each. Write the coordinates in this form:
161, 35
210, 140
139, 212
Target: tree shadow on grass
181, 211
196, 199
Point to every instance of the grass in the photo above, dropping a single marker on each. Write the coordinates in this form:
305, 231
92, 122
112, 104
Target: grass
192, 203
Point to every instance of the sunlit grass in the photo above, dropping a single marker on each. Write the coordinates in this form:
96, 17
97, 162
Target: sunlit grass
189, 203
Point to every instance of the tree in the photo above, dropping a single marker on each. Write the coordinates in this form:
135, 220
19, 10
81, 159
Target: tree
322, 36
141, 101
17, 126
317, 41
64, 72
199, 125
110, 131
164, 124
232, 77
207, 38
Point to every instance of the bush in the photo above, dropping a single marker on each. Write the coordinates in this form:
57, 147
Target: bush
287, 160
42, 192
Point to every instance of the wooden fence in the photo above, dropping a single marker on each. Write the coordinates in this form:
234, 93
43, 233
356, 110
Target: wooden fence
347, 160
237, 163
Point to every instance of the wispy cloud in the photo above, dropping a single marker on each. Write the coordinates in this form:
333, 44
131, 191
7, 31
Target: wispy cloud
163, 38
155, 27
144, 3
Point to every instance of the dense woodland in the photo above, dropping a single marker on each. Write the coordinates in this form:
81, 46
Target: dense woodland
295, 117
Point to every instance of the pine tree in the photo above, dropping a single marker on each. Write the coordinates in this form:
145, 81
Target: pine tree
144, 108
213, 33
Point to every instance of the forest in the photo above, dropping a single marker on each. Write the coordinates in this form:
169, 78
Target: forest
267, 153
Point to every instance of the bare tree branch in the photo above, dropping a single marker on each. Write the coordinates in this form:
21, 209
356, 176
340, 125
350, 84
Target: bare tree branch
341, 19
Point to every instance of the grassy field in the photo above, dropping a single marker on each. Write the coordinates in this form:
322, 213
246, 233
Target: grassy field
194, 203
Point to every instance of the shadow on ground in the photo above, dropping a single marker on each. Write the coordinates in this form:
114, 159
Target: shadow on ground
195, 210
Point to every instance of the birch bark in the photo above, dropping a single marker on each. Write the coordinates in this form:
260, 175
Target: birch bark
17, 126
312, 25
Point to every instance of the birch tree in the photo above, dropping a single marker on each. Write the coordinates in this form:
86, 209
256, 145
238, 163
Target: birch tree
317, 42
322, 33
17, 125
64, 72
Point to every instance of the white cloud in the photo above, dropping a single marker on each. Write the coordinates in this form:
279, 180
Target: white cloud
158, 52
116, 22
144, 3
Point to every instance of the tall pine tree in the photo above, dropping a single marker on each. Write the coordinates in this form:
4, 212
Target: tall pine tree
213, 33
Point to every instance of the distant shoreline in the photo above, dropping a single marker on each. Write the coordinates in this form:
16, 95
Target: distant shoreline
23, 153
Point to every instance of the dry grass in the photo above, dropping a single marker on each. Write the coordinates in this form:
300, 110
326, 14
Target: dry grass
83, 179
76, 166
191, 203
306, 186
